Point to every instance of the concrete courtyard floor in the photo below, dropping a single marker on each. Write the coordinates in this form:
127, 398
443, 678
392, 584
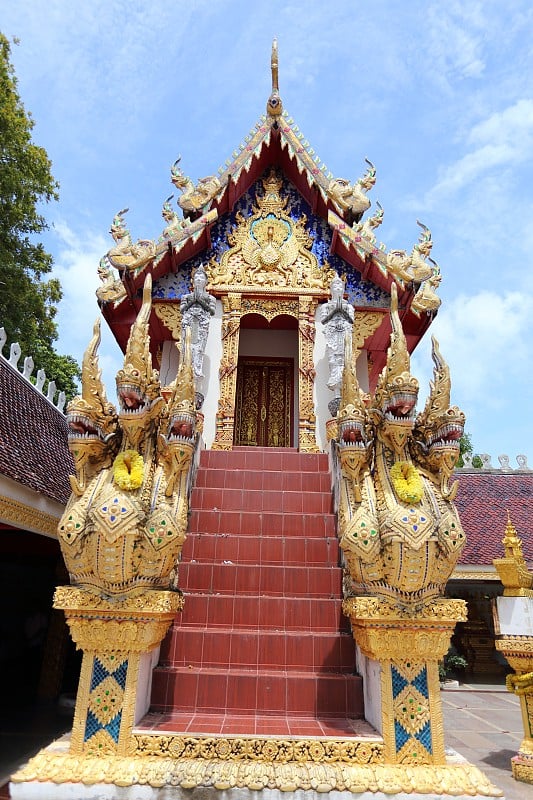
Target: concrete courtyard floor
483, 723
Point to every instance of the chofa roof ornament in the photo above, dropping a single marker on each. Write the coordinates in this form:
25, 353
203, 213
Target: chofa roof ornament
274, 105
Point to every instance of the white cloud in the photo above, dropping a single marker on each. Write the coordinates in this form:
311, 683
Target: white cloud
485, 338
76, 268
504, 140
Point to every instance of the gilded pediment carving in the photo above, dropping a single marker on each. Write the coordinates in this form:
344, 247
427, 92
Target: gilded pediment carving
270, 251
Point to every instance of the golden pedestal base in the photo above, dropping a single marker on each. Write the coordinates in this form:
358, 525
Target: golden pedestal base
113, 635
518, 650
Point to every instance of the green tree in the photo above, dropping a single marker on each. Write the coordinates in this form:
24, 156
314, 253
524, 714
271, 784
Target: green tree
466, 446
28, 299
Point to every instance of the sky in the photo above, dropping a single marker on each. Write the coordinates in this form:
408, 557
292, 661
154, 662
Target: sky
438, 95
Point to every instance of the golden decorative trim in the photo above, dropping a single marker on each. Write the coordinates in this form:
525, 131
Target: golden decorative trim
188, 773
306, 375
24, 517
261, 749
365, 324
522, 772
485, 575
170, 316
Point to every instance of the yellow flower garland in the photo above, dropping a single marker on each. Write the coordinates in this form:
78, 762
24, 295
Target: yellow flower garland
519, 684
128, 470
407, 482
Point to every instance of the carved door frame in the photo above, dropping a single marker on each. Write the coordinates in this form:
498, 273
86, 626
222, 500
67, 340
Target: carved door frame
235, 305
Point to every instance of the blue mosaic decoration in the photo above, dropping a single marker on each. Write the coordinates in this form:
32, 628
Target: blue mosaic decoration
105, 699
410, 695
359, 292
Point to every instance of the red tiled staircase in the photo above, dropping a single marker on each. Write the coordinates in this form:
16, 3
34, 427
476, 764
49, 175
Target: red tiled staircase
261, 646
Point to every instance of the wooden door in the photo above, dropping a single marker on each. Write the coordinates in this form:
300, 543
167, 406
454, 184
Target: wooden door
264, 402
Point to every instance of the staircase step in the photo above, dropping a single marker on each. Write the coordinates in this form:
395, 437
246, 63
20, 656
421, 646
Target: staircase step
266, 523
289, 551
248, 648
263, 612
268, 480
264, 458
250, 692
256, 725
252, 579
256, 500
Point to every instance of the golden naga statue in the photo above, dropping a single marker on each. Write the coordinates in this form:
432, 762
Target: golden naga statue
194, 199
174, 224
350, 198
426, 299
367, 227
125, 523
399, 531
127, 255
112, 289
412, 267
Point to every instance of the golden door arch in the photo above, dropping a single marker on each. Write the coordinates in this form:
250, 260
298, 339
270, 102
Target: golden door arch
235, 305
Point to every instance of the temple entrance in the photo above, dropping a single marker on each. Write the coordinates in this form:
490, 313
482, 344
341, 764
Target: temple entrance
264, 402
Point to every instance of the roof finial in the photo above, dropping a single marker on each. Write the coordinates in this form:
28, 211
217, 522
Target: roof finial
274, 105
274, 66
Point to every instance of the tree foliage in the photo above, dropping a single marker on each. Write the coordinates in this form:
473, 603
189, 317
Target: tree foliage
28, 298
466, 447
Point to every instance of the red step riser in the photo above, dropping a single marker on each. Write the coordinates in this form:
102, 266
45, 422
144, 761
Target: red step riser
246, 579
258, 501
261, 650
301, 613
265, 550
264, 480
264, 459
250, 693
251, 523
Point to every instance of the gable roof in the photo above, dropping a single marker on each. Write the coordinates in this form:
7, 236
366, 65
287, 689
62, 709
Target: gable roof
276, 140
33, 437
483, 500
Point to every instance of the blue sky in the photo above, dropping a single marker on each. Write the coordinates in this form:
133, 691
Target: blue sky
438, 95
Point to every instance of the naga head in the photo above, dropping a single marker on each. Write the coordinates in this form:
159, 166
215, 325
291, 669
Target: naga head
167, 212
177, 177
369, 178
178, 422
396, 393
439, 427
355, 430
118, 228
138, 387
93, 433
425, 242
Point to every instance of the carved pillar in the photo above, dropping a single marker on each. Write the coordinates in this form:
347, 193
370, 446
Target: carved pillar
225, 419
115, 637
518, 650
306, 375
402, 672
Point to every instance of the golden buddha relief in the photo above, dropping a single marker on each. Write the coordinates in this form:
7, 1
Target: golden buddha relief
269, 250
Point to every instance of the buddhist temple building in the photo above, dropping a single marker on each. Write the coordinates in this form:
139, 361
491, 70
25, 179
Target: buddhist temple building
258, 538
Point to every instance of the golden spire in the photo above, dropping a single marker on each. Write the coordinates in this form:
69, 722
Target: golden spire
512, 569
274, 105
274, 66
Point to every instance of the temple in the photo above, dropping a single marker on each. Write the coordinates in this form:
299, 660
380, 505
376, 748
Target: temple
260, 534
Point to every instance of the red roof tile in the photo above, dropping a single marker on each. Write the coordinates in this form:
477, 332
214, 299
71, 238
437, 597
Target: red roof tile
483, 500
33, 437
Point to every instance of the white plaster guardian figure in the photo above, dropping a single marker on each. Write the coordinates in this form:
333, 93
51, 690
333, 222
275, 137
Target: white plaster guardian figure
196, 307
338, 316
